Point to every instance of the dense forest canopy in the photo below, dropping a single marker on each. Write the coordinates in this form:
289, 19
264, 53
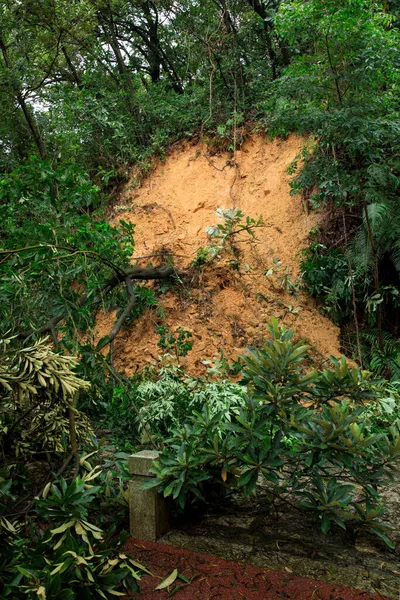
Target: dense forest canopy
90, 89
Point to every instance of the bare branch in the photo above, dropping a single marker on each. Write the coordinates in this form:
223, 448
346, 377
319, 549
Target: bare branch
120, 321
135, 273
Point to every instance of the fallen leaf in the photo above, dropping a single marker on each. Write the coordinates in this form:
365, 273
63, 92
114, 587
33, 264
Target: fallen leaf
288, 570
168, 581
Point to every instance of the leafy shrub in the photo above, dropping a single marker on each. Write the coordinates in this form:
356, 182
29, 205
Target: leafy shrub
326, 276
53, 249
383, 361
163, 403
37, 388
284, 278
303, 431
384, 413
337, 91
179, 343
233, 223
69, 557
58, 552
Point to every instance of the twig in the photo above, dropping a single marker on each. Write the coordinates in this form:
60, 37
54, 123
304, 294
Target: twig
161, 255
249, 229
227, 164
64, 466
233, 183
73, 439
120, 321
353, 295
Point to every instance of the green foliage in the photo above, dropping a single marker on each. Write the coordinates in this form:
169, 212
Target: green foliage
233, 223
326, 276
284, 277
89, 90
384, 413
163, 402
37, 386
179, 343
52, 250
343, 88
59, 552
71, 557
223, 237
204, 255
300, 430
384, 362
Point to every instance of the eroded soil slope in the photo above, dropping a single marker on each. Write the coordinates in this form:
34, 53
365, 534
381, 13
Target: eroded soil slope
223, 308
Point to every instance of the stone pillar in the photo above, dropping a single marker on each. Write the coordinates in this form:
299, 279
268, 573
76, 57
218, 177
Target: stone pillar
148, 510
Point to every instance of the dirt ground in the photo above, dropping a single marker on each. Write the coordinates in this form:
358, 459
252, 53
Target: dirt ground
286, 539
206, 577
222, 308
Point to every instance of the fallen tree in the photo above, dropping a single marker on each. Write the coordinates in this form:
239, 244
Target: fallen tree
126, 276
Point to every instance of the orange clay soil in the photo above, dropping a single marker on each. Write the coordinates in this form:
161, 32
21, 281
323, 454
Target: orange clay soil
223, 309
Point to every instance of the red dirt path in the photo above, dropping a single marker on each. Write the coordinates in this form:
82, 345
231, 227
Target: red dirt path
213, 578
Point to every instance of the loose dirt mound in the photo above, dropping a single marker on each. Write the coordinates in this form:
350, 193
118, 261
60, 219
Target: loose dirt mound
223, 308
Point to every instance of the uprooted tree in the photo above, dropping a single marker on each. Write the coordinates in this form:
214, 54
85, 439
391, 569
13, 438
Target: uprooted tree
60, 263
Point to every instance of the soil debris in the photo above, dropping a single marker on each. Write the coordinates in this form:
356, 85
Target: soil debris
223, 308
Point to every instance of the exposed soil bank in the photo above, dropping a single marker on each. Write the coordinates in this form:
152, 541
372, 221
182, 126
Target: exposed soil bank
223, 308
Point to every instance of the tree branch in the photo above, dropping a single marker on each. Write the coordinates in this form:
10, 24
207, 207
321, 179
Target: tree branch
120, 321
135, 273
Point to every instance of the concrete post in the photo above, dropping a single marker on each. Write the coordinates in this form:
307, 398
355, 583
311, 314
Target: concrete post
148, 510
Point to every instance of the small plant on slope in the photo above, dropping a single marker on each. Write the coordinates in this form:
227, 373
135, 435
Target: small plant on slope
223, 236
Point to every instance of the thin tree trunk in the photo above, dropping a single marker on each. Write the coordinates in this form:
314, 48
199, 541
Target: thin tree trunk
285, 53
125, 76
334, 72
155, 55
376, 278
33, 127
112, 38
353, 292
73, 438
77, 78
259, 8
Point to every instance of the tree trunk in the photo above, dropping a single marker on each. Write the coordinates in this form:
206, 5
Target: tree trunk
77, 78
353, 292
110, 33
156, 56
285, 53
29, 118
226, 16
376, 278
259, 8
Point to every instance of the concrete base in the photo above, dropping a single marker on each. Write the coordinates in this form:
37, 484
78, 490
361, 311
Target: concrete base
148, 510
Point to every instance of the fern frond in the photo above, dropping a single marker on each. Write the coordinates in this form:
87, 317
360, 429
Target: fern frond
360, 252
379, 174
377, 213
395, 255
